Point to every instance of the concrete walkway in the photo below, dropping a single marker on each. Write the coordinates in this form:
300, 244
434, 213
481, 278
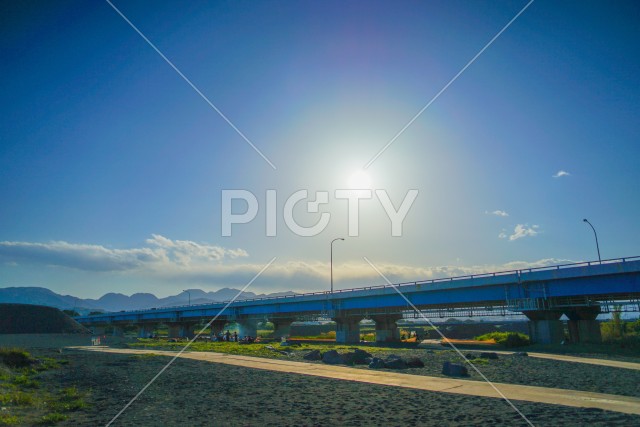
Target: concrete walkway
435, 345
554, 396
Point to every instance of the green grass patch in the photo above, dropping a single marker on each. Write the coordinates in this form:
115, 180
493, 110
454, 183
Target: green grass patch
16, 397
52, 419
9, 420
506, 339
23, 380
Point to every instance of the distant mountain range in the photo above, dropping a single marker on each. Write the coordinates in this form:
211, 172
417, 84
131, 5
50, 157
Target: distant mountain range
117, 302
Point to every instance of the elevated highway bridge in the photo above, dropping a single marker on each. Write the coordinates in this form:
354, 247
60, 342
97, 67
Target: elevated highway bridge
580, 291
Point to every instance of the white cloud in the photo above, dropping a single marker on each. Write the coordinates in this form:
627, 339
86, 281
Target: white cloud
560, 174
177, 263
523, 230
502, 235
86, 257
497, 213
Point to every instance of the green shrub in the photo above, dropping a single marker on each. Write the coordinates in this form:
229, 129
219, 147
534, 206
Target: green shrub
16, 357
506, 339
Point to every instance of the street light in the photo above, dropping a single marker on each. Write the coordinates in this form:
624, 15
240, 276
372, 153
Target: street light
184, 290
339, 238
595, 234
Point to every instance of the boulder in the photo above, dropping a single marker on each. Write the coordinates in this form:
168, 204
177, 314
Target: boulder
489, 355
414, 362
332, 357
376, 363
361, 355
454, 370
470, 356
349, 358
313, 355
395, 362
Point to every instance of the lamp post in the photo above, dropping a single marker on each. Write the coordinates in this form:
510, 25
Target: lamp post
595, 234
184, 290
339, 238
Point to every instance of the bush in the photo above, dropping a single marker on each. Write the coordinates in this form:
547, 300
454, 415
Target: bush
16, 358
506, 339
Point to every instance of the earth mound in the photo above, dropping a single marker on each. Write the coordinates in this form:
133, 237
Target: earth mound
36, 319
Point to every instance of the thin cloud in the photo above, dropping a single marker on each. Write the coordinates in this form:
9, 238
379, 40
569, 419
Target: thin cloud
523, 230
560, 174
497, 213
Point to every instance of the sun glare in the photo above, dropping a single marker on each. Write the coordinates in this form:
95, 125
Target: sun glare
359, 180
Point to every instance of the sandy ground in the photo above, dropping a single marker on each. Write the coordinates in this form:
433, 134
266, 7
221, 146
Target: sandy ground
196, 393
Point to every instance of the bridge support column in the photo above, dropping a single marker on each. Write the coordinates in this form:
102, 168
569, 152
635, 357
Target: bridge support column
98, 330
583, 326
247, 327
217, 326
386, 327
282, 327
145, 330
181, 330
118, 331
545, 326
347, 329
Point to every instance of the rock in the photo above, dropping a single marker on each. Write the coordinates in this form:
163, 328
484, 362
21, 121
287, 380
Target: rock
414, 362
368, 360
521, 353
357, 357
470, 356
361, 354
395, 362
349, 358
454, 370
489, 355
332, 357
376, 363
313, 355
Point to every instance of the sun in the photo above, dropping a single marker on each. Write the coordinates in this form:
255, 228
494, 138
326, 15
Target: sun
359, 180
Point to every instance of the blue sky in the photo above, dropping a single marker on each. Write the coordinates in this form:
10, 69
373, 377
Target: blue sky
112, 167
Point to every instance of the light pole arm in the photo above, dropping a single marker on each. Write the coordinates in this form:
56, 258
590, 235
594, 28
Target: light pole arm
596, 236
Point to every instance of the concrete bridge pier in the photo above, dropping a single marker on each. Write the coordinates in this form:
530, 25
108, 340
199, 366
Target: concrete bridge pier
583, 326
247, 327
217, 326
181, 330
386, 327
282, 327
98, 330
545, 326
118, 331
145, 330
347, 329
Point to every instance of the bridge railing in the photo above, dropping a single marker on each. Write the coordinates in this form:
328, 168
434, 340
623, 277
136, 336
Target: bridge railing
415, 283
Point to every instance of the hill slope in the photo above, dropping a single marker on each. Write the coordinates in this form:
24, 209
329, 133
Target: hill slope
36, 319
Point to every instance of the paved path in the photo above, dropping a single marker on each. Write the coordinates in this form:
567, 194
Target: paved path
580, 399
435, 344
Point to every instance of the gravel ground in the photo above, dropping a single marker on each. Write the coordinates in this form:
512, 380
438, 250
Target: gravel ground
200, 393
